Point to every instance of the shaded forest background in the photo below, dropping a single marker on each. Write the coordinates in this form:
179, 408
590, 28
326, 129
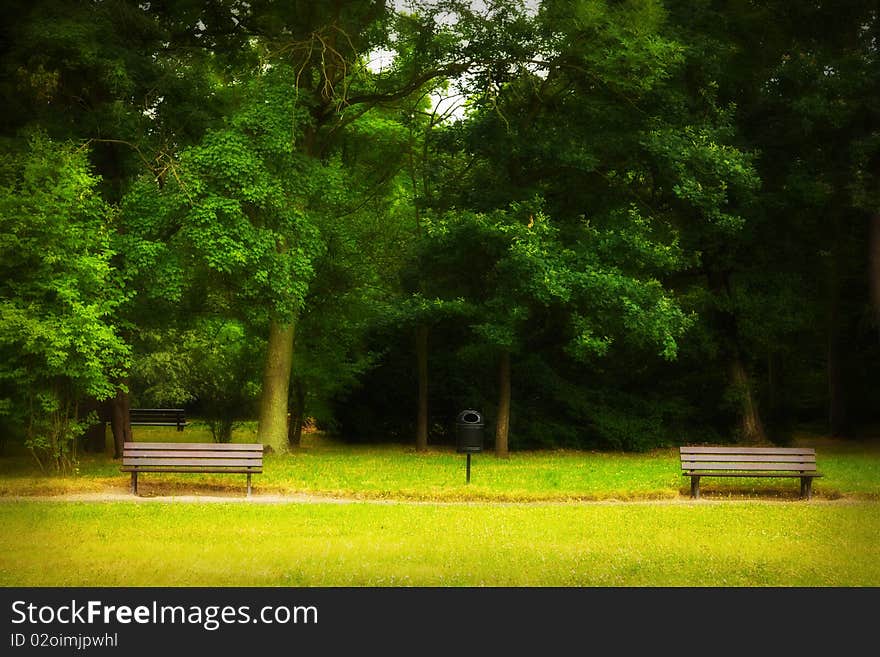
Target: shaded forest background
630, 224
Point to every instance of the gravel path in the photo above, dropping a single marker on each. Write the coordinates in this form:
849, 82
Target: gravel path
303, 498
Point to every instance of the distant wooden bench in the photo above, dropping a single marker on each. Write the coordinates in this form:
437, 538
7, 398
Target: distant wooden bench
158, 417
192, 457
797, 462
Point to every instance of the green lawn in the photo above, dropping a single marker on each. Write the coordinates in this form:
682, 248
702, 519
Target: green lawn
852, 470
514, 525
741, 543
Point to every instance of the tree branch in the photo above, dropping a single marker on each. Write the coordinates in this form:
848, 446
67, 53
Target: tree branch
411, 86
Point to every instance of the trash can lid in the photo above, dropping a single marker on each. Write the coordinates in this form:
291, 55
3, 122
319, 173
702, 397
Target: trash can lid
469, 417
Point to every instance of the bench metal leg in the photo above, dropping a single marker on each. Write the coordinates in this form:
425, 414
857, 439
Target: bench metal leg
134, 483
806, 488
249, 484
695, 487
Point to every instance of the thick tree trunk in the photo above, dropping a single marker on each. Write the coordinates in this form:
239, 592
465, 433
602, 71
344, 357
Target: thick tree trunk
751, 429
120, 419
297, 414
502, 424
272, 425
422, 362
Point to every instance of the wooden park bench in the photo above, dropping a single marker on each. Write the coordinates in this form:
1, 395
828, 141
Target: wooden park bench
798, 462
158, 417
192, 457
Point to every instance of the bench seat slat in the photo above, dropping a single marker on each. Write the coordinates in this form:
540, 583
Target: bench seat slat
217, 463
715, 473
135, 423
190, 470
747, 450
152, 413
189, 454
232, 447
726, 465
751, 458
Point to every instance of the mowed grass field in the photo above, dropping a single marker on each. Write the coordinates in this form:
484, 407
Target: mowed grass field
556, 518
403, 544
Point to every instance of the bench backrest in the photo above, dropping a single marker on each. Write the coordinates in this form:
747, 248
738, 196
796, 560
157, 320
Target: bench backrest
157, 416
755, 459
193, 457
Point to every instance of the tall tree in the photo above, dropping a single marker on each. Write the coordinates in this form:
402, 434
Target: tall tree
802, 76
134, 81
58, 343
514, 274
326, 48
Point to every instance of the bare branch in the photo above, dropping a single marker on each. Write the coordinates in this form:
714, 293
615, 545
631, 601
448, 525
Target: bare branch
449, 70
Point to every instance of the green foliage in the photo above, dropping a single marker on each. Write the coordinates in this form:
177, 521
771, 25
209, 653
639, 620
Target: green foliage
640, 195
250, 194
212, 367
58, 295
237, 214
627, 49
566, 407
706, 172
518, 267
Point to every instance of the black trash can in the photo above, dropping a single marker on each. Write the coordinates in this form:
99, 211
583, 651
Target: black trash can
469, 432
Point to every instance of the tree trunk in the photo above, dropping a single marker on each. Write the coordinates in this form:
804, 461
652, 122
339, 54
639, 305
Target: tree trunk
120, 419
422, 360
503, 422
874, 267
751, 429
272, 424
95, 435
838, 417
297, 415
772, 385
